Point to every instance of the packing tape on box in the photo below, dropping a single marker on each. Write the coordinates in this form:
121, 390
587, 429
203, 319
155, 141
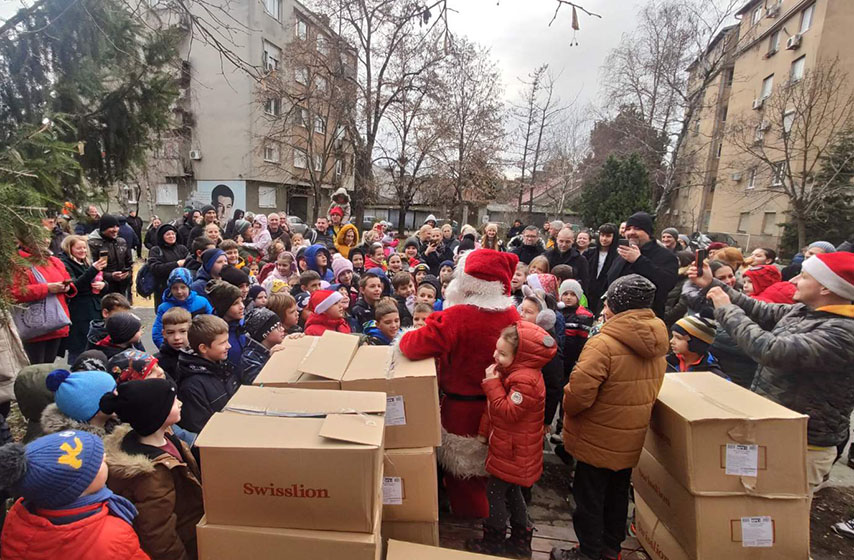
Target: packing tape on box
369, 419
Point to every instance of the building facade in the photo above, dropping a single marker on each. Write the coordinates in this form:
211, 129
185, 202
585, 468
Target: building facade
240, 140
729, 184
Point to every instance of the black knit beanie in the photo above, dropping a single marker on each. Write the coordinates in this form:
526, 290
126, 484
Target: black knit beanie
261, 322
144, 404
107, 221
641, 220
234, 276
90, 360
222, 295
122, 327
630, 292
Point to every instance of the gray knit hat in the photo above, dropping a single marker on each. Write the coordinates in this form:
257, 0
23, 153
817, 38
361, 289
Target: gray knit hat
674, 233
826, 246
630, 292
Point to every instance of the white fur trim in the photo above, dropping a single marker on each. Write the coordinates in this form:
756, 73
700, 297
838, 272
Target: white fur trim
825, 276
328, 302
465, 289
462, 456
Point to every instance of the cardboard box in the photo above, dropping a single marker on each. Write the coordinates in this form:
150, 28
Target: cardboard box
658, 542
410, 485
420, 532
397, 550
724, 526
234, 542
704, 427
412, 415
311, 362
294, 458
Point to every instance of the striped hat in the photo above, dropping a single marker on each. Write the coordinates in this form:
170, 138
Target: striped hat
696, 327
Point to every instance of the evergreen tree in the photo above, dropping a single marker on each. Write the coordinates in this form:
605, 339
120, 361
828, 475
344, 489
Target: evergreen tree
619, 189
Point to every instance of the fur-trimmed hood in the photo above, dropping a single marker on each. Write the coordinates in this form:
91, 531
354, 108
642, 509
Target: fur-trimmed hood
122, 463
54, 421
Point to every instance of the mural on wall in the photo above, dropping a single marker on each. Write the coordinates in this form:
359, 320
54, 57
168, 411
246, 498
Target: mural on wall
225, 196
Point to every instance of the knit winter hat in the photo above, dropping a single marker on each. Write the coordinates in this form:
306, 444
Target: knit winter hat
321, 300
672, 231
339, 265
573, 286
221, 295
279, 286
431, 280
547, 283
234, 276
209, 257
420, 267
337, 210
77, 394
443, 264
834, 271
179, 275
630, 292
696, 327
90, 360
207, 208
107, 221
54, 470
122, 327
131, 365
411, 242
826, 246
641, 220
261, 322
546, 318
240, 226
762, 277
255, 291
145, 404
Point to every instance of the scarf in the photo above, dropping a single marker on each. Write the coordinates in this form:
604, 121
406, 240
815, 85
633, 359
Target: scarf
119, 506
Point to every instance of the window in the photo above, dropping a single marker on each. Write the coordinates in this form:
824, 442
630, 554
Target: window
167, 194
720, 148
806, 18
318, 163
796, 72
271, 153
301, 29
301, 75
788, 121
273, 7
767, 87
272, 56
266, 197
743, 220
302, 117
779, 172
319, 124
300, 159
322, 84
751, 183
730, 74
769, 223
724, 113
322, 45
774, 42
131, 193
339, 168
273, 106
339, 136
757, 15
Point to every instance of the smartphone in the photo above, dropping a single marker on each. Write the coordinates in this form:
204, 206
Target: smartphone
699, 259
67, 281
623, 243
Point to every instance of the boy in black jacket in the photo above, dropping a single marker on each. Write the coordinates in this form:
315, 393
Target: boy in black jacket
404, 296
176, 325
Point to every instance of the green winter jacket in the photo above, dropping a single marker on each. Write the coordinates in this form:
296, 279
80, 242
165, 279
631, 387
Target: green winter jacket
805, 357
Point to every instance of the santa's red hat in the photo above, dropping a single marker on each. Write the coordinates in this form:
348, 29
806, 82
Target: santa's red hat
834, 271
322, 300
491, 266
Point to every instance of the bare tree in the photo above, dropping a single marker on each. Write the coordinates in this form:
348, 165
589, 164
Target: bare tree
783, 147
472, 118
562, 171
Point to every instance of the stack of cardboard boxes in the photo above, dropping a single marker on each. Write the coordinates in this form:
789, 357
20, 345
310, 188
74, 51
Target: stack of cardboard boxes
412, 426
722, 475
293, 470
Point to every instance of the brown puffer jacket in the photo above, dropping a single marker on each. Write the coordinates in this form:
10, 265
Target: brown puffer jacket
608, 400
166, 492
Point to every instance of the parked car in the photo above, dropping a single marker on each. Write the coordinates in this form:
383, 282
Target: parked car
704, 239
297, 225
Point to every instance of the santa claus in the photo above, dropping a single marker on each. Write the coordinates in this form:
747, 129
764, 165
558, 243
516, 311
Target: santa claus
478, 307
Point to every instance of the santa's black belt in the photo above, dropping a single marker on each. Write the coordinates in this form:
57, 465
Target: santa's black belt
456, 397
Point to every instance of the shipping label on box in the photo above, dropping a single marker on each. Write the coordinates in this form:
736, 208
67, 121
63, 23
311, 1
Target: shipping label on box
410, 485
310, 362
412, 406
236, 542
718, 438
294, 458
723, 526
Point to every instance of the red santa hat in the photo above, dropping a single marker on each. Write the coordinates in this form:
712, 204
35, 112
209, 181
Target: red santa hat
491, 266
834, 271
321, 300
482, 279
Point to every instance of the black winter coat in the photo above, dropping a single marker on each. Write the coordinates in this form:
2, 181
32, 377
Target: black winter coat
434, 259
163, 258
82, 308
598, 285
151, 238
362, 312
119, 259
574, 259
205, 389
657, 264
526, 253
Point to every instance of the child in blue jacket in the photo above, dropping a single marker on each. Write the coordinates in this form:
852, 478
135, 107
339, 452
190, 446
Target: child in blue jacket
178, 294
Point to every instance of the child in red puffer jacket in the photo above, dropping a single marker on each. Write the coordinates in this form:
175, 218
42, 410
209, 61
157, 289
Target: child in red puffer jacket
513, 426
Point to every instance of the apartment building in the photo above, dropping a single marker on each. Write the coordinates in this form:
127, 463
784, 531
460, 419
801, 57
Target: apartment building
725, 184
235, 139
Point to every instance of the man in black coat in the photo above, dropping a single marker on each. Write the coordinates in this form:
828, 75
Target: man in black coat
646, 257
531, 245
135, 222
564, 253
119, 268
516, 229
600, 259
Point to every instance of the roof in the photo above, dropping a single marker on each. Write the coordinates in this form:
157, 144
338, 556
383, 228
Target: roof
747, 6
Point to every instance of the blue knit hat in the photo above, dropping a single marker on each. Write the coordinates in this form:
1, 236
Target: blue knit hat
446, 263
826, 246
181, 275
59, 467
209, 257
78, 393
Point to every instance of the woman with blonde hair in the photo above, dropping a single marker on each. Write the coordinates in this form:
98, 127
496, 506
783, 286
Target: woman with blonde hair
86, 305
490, 239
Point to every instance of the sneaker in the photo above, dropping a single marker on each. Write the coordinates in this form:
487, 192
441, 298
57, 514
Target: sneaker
845, 528
568, 554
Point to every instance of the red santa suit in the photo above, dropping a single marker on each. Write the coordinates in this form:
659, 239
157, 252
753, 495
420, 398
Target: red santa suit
462, 337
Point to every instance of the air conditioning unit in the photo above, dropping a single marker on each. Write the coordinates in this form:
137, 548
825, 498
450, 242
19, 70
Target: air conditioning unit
195, 154
773, 11
758, 103
793, 42
736, 176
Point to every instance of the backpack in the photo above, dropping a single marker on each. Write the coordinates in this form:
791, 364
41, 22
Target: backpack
145, 281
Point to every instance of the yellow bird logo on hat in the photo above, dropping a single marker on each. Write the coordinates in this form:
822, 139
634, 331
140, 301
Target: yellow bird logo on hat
71, 454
